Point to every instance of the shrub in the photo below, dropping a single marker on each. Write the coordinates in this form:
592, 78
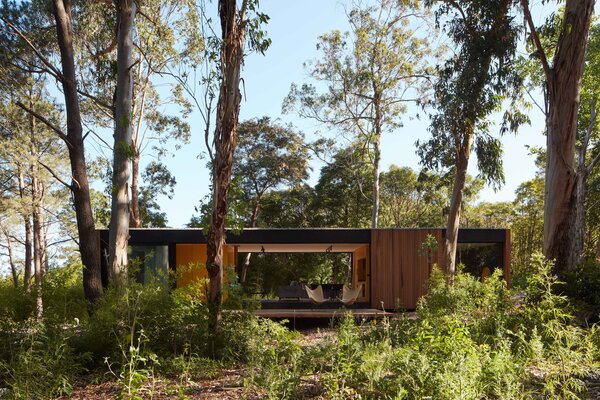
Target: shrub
41, 364
273, 359
583, 285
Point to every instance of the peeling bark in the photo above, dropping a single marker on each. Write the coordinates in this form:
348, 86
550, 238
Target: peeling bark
563, 84
134, 214
233, 30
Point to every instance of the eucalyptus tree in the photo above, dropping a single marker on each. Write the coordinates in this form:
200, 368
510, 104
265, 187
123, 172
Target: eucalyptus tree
472, 84
290, 207
118, 233
164, 38
158, 180
239, 26
167, 39
562, 84
268, 155
587, 147
371, 73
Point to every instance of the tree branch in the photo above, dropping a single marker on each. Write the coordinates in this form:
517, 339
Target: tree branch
44, 60
536, 40
462, 13
95, 100
49, 124
70, 187
591, 125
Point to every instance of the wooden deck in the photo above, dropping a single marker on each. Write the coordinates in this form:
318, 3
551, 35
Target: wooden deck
305, 304
321, 313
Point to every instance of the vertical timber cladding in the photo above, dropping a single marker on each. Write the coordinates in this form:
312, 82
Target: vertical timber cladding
399, 273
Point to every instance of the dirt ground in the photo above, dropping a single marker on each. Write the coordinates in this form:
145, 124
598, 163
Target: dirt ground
228, 385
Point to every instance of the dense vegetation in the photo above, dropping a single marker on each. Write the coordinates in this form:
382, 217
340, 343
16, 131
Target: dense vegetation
469, 340
89, 88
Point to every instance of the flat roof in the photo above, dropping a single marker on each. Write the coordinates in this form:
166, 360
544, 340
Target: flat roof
299, 236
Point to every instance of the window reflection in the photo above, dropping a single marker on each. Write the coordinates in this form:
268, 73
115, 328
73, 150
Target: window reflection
149, 263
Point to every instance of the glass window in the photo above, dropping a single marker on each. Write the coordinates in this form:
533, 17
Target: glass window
477, 256
150, 263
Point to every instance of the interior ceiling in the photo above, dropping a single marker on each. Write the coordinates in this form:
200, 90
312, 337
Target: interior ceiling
299, 248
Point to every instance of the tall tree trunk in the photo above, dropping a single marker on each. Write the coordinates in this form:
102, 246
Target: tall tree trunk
37, 241
37, 197
376, 156
246, 263
376, 162
11, 259
578, 215
89, 241
118, 235
28, 237
460, 178
579, 210
134, 217
44, 241
563, 83
233, 32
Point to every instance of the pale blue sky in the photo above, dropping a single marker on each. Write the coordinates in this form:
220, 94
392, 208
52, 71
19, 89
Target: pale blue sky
294, 28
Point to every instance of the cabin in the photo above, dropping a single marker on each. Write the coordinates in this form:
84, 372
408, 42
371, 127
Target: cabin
392, 266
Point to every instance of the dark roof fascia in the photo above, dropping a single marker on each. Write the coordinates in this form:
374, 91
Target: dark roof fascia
480, 235
291, 235
250, 236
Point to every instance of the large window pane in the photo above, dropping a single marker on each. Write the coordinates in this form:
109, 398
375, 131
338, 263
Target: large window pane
477, 256
151, 263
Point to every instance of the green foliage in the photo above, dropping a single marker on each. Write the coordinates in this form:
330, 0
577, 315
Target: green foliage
40, 364
471, 86
345, 359
343, 191
411, 199
272, 346
172, 321
137, 365
268, 155
469, 340
583, 285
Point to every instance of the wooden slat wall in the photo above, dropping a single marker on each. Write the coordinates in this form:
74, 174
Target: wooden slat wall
398, 273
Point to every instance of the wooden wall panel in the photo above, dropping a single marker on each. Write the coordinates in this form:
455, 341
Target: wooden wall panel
398, 273
190, 261
361, 255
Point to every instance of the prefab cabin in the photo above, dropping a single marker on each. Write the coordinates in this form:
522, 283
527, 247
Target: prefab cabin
392, 265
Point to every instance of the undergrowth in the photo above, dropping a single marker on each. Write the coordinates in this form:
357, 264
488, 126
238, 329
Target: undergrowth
469, 340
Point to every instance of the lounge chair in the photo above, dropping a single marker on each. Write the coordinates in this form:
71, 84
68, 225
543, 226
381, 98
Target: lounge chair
315, 295
350, 295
